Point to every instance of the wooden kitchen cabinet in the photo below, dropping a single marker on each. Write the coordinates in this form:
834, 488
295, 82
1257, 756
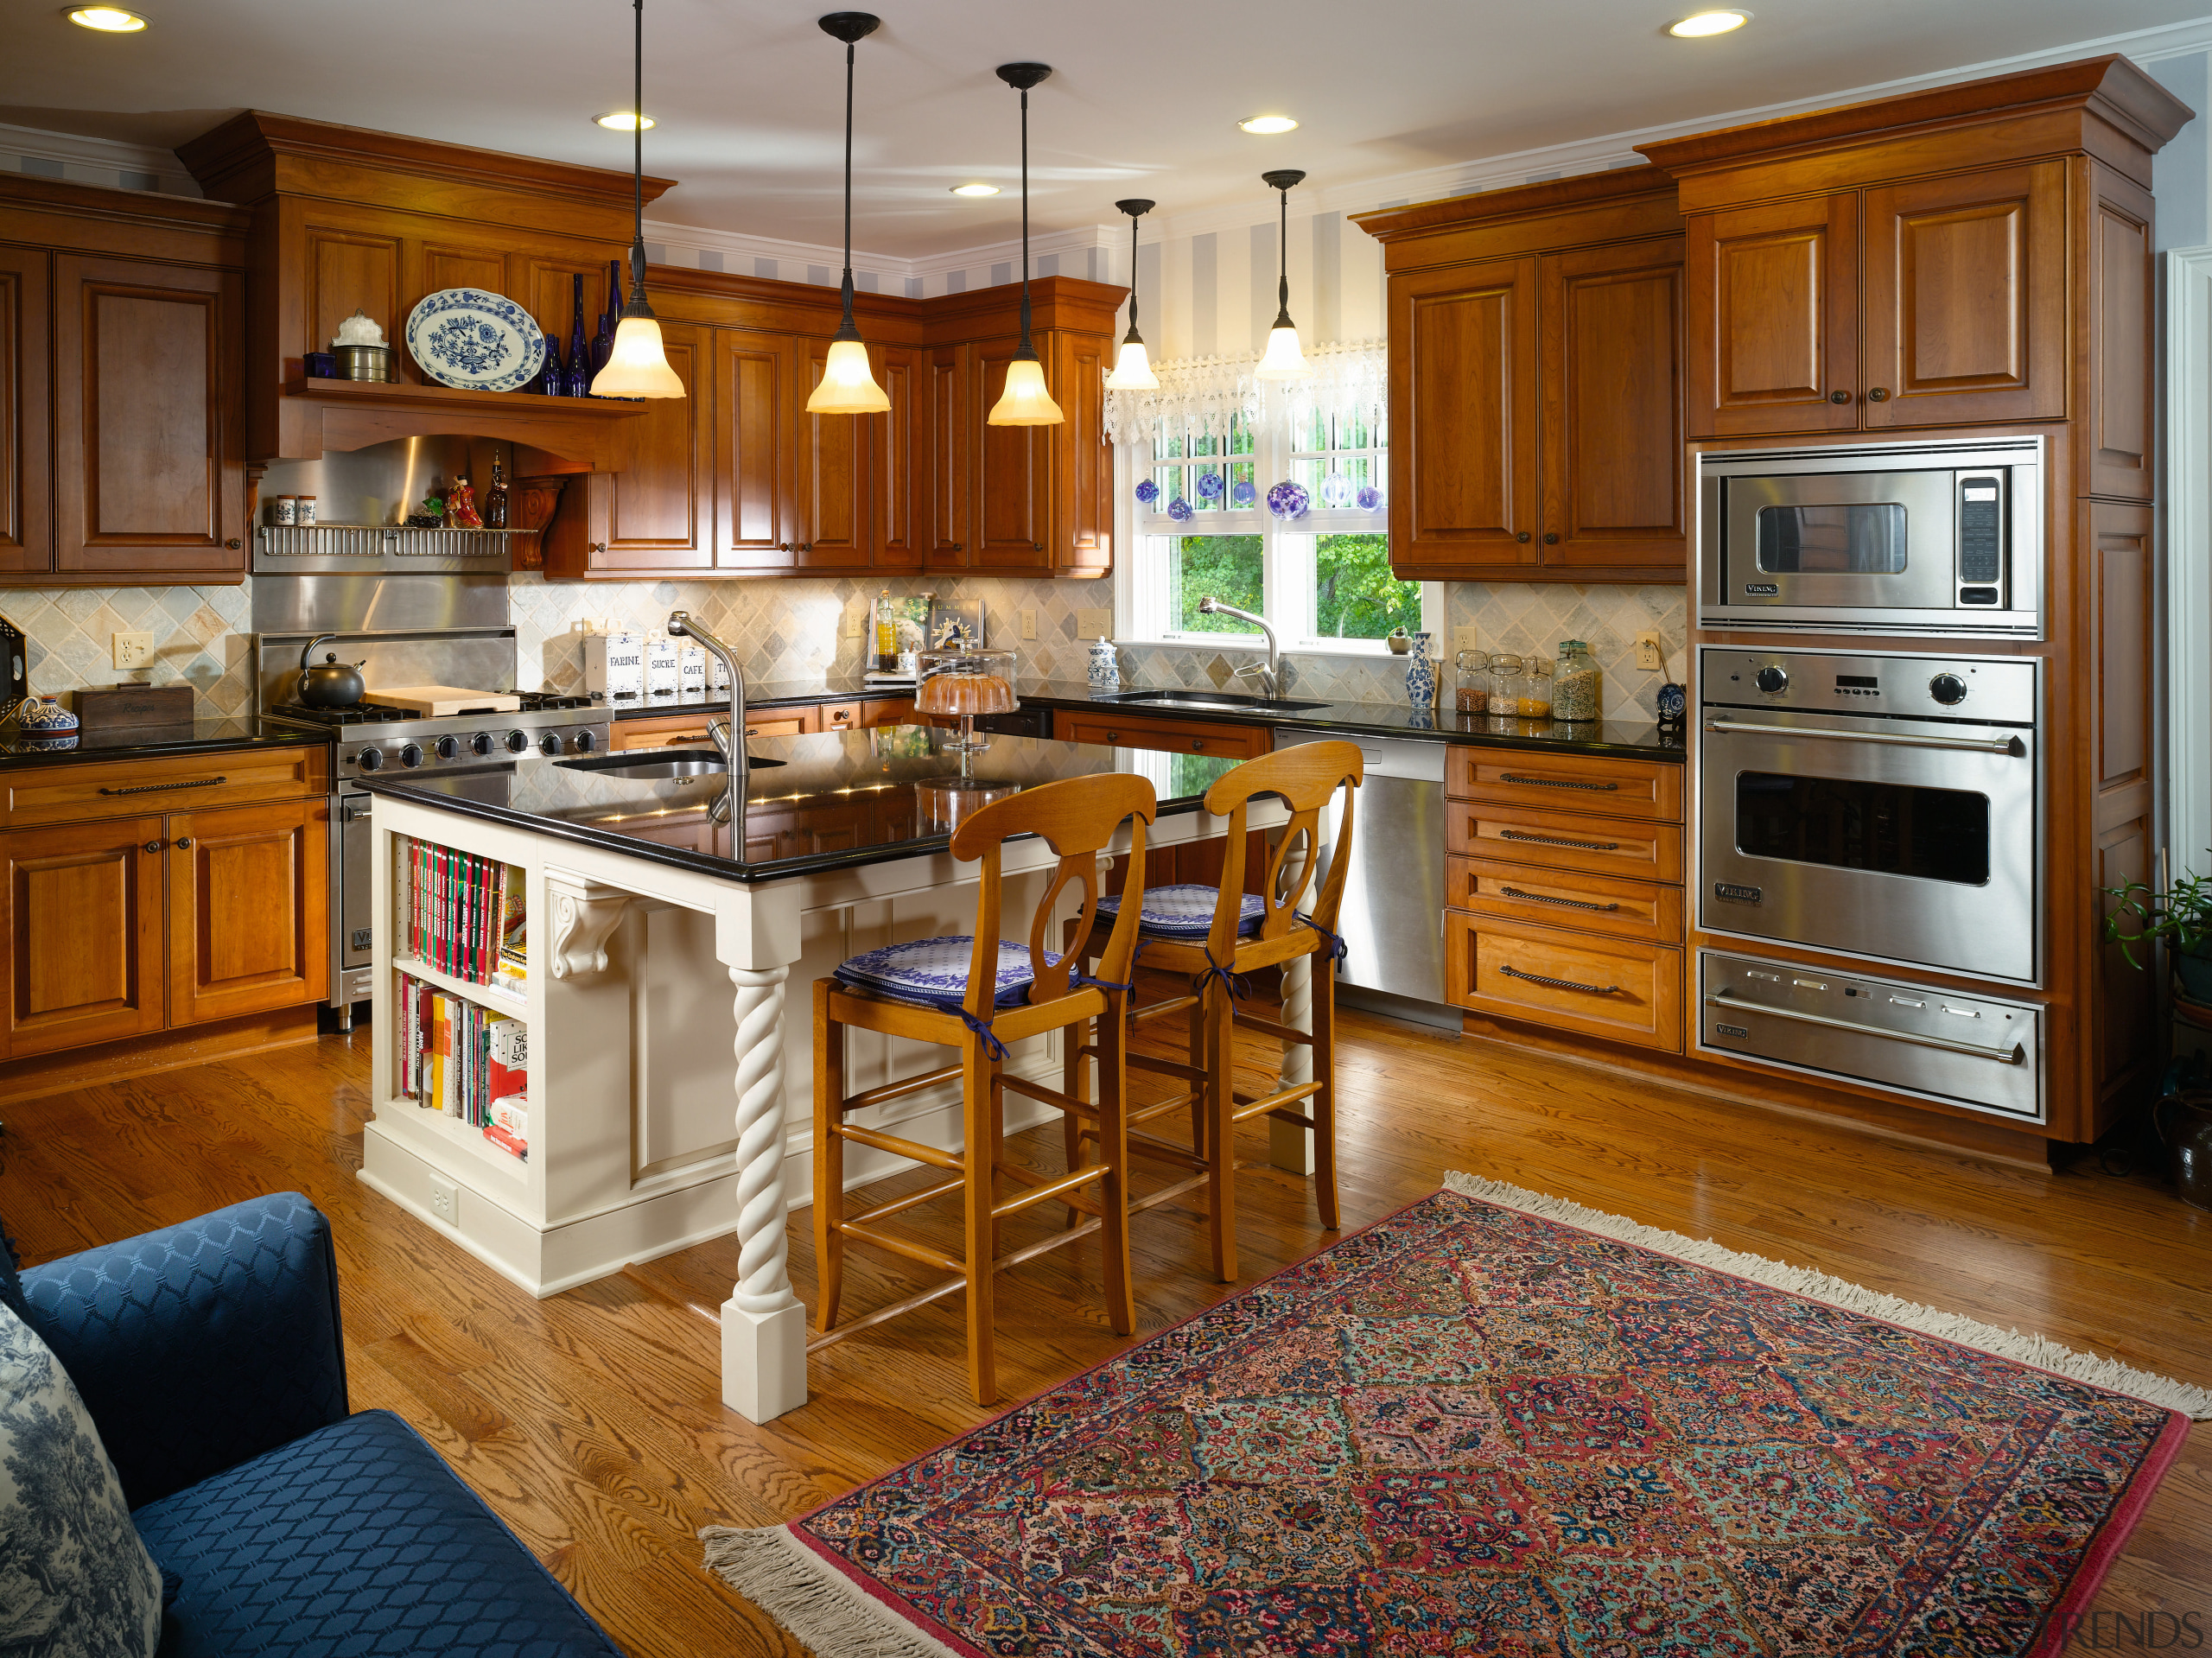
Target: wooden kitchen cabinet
249, 910
1611, 988
1774, 323
756, 468
948, 373
26, 431
1537, 383
84, 961
147, 407
1012, 484
1123, 730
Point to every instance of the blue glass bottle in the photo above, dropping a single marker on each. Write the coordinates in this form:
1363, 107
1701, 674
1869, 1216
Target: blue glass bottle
553, 379
579, 344
602, 344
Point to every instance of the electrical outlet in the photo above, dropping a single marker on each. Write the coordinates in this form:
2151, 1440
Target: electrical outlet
1028, 624
1463, 638
1094, 624
445, 1201
131, 650
852, 624
1648, 655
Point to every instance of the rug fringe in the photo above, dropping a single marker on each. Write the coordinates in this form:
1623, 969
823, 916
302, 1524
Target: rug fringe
2040, 1351
824, 1609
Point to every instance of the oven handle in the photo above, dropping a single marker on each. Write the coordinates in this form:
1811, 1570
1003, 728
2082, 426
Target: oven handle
2012, 1055
1970, 745
350, 813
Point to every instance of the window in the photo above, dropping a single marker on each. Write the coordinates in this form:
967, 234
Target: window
1203, 528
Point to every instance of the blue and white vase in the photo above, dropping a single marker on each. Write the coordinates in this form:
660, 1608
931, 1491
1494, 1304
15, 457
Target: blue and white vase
1105, 667
1421, 673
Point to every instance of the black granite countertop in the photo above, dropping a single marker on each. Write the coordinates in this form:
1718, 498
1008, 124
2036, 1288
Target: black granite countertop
838, 800
20, 748
1635, 740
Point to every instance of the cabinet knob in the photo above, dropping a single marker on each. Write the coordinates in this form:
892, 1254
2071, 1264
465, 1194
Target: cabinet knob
1197, 743
153, 846
806, 546
1113, 736
1551, 537
599, 546
1878, 394
1036, 546
1838, 397
232, 543
182, 843
1523, 536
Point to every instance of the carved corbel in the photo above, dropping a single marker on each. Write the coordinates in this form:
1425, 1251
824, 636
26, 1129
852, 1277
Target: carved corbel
584, 917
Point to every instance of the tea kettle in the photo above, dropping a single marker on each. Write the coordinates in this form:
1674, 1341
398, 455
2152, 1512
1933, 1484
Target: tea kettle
330, 684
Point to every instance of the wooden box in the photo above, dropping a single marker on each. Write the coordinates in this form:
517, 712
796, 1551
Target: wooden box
115, 707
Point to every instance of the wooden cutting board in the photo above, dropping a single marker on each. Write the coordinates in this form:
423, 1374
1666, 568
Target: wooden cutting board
445, 699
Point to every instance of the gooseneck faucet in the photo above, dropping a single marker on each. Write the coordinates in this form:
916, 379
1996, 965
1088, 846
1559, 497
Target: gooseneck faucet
1270, 681
681, 624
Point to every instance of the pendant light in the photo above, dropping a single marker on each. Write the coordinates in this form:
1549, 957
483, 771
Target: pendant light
848, 387
638, 367
1133, 368
1283, 361
1026, 401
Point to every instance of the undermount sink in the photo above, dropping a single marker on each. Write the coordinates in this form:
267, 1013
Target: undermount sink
679, 768
1230, 701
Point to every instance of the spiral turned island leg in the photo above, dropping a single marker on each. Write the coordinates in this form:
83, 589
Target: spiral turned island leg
764, 1326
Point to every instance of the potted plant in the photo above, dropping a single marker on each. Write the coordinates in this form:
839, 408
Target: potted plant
2181, 916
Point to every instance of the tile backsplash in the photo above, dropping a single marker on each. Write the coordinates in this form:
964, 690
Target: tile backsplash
797, 629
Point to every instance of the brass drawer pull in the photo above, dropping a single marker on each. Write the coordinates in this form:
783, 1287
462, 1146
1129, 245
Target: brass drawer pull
1512, 972
1553, 840
1557, 783
1563, 903
155, 788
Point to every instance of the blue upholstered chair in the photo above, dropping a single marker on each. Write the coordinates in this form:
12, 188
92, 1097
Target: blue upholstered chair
210, 1356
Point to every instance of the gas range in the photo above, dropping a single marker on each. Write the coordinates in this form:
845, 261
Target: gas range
374, 737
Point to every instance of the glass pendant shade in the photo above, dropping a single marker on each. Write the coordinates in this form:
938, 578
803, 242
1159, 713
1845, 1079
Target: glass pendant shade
638, 367
848, 387
1026, 401
1133, 370
1284, 360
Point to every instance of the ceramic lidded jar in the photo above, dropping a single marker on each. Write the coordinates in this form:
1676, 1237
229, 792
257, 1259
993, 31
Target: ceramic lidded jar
1105, 667
1421, 673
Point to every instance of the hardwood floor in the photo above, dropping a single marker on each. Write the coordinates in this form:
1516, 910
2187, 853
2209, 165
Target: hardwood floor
592, 1422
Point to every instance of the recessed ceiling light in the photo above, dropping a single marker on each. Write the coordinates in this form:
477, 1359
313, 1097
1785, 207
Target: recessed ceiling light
109, 20
975, 189
1268, 124
1699, 24
623, 121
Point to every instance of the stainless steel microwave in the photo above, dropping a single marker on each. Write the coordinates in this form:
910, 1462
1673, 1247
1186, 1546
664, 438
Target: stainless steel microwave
1942, 540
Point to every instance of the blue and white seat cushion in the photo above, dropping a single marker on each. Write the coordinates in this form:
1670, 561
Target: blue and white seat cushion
75, 1576
1185, 913
933, 972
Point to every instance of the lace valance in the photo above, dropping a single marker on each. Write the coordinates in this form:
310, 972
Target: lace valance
1204, 394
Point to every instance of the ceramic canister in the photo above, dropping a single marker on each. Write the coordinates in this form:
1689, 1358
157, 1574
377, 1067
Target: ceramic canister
1105, 667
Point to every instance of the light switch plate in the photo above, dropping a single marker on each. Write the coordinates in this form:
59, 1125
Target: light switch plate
1028, 624
1648, 656
1097, 623
1463, 638
131, 650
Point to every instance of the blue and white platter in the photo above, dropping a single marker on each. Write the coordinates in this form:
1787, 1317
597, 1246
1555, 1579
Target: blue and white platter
480, 342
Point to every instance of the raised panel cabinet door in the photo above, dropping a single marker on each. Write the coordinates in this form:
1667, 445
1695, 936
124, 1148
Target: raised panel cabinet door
659, 491
350, 268
1774, 318
249, 910
148, 409
2119, 449
1465, 482
26, 435
1965, 298
1012, 506
900, 474
948, 391
1612, 398
547, 288
83, 919
1083, 461
2122, 803
835, 490
756, 425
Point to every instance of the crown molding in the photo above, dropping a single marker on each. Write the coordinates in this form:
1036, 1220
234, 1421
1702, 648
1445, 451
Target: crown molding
701, 238
98, 155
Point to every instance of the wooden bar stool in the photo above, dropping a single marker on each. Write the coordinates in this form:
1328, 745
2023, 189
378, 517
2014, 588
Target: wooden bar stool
1216, 935
977, 994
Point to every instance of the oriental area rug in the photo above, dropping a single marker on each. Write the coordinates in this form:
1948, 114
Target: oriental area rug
1478, 1428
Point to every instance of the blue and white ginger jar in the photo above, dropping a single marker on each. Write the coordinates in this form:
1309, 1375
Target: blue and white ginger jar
1421, 673
1105, 667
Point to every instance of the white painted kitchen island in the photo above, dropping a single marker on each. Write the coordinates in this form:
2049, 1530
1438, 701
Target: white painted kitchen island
661, 942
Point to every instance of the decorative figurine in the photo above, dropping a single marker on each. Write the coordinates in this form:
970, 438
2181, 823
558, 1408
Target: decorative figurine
460, 506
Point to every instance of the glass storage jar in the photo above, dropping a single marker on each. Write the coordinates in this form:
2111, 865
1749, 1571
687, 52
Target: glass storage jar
1575, 683
1536, 691
1471, 680
1507, 677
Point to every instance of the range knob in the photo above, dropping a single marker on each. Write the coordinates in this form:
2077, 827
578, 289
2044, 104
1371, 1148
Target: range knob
584, 742
517, 741
1773, 679
448, 747
482, 742
549, 743
370, 760
411, 754
1947, 688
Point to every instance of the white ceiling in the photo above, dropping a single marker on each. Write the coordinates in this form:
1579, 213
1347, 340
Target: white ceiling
1143, 100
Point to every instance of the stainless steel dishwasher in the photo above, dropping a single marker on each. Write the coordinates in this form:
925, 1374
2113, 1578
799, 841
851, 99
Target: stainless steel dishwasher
1392, 921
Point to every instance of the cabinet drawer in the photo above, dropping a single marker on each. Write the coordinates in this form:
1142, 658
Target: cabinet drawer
1562, 898
1564, 840
1611, 988
1168, 736
888, 711
64, 794
840, 716
1573, 783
